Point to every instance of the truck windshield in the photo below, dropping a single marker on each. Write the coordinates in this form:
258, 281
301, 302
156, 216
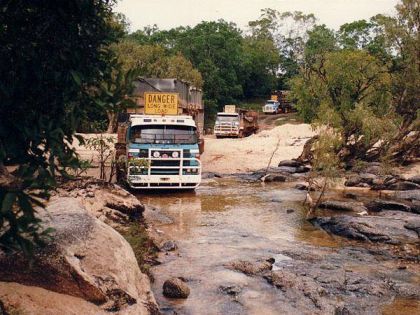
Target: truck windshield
229, 118
163, 134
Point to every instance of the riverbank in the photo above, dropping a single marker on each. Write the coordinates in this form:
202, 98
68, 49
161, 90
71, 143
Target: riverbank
228, 156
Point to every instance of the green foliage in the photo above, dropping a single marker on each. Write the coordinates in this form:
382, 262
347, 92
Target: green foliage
143, 247
103, 146
50, 60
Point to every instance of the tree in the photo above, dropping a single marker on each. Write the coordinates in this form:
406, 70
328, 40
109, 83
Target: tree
49, 61
351, 94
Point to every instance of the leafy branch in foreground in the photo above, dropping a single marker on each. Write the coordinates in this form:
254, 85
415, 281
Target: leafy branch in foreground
51, 59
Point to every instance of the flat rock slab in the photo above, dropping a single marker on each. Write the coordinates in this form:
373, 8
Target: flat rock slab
343, 205
387, 227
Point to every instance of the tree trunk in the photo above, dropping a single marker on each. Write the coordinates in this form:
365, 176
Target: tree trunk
112, 122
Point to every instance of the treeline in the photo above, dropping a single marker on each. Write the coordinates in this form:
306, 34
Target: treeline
362, 78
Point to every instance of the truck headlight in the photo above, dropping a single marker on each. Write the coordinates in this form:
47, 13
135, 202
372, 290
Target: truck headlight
175, 154
156, 154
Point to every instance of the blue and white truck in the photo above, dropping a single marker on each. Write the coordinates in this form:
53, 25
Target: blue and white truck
160, 141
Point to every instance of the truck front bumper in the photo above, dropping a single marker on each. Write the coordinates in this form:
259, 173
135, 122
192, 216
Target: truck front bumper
226, 131
164, 181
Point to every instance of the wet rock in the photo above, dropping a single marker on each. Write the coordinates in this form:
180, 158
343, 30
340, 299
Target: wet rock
415, 179
353, 181
209, 175
303, 169
233, 290
350, 196
373, 169
285, 169
381, 204
176, 288
343, 205
86, 258
368, 178
290, 163
405, 185
301, 186
168, 246
251, 268
408, 195
387, 227
269, 178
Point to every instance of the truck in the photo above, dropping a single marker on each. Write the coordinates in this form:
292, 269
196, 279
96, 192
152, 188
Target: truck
235, 122
160, 140
279, 103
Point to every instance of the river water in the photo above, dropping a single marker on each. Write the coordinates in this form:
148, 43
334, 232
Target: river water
227, 220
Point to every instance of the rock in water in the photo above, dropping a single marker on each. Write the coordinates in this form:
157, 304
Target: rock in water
176, 288
343, 205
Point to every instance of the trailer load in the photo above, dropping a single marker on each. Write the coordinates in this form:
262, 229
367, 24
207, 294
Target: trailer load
278, 103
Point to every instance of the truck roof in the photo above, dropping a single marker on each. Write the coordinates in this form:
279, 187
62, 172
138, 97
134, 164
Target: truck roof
183, 120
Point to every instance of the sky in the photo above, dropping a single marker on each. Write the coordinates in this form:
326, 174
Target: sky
172, 13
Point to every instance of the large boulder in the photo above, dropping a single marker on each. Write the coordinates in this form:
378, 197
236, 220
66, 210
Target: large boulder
21, 299
86, 258
108, 202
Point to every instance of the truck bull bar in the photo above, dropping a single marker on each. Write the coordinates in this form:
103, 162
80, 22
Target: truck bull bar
174, 180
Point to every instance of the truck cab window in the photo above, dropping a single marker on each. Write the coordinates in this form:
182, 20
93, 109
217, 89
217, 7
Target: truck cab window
163, 134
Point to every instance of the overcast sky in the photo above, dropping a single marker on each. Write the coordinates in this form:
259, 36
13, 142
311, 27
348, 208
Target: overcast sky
172, 13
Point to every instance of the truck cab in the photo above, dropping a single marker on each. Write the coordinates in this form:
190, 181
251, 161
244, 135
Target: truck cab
227, 124
271, 107
162, 152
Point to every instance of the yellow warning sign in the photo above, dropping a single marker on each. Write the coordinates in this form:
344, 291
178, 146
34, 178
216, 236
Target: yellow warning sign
160, 103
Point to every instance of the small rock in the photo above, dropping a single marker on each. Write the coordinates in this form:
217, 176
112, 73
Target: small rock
176, 288
353, 181
290, 210
350, 196
168, 246
273, 178
90, 194
368, 178
231, 289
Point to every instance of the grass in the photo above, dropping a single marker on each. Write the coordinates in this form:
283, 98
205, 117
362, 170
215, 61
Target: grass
143, 247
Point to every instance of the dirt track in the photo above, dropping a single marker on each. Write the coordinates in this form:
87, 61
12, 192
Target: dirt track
252, 153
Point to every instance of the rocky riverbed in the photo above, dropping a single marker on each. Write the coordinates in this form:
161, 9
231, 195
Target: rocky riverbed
243, 245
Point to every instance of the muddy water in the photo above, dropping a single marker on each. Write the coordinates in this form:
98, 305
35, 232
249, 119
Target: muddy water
223, 221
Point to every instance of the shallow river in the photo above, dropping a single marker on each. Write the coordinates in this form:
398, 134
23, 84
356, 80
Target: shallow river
223, 221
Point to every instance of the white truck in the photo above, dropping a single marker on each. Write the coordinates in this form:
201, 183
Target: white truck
162, 152
235, 122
